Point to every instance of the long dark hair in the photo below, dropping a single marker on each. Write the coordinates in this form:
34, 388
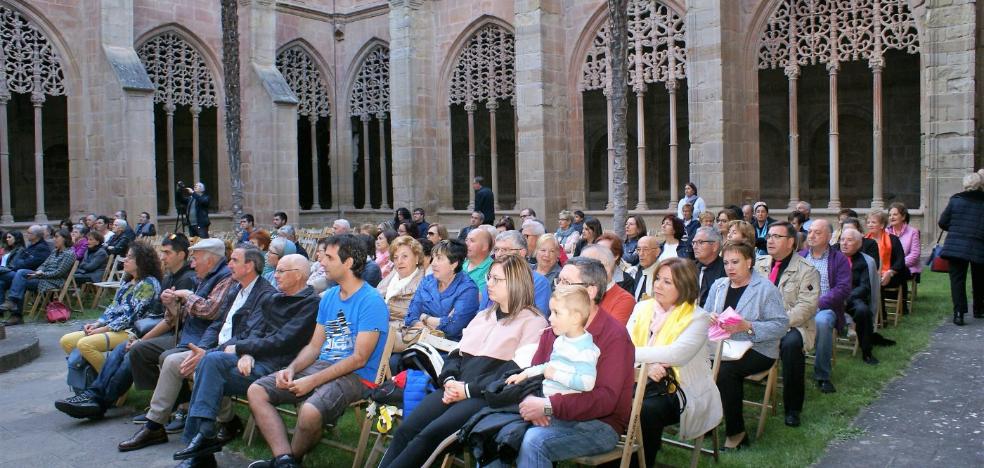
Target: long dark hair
148, 263
401, 212
18, 239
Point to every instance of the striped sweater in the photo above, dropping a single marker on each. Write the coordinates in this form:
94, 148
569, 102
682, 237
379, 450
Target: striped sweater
574, 362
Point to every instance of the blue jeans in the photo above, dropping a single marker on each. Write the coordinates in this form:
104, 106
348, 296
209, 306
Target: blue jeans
217, 375
826, 320
563, 440
115, 378
5, 279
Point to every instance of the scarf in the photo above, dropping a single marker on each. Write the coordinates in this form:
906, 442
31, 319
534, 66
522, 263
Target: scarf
670, 328
884, 249
562, 234
692, 200
397, 284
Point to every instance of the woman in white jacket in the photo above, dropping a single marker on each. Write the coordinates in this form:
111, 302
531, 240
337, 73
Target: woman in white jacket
670, 334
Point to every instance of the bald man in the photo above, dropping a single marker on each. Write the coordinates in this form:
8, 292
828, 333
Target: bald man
479, 242
648, 251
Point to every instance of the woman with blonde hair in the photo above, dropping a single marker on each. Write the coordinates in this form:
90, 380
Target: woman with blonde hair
670, 334
399, 286
487, 348
566, 235
436, 232
740, 231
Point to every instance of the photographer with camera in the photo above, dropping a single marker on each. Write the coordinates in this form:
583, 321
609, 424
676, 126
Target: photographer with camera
195, 204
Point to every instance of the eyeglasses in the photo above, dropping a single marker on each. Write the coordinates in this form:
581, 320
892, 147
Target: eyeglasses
776, 237
499, 250
280, 272
563, 282
703, 242
431, 233
493, 279
646, 249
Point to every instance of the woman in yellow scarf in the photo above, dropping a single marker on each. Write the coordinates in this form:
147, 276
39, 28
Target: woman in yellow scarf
670, 333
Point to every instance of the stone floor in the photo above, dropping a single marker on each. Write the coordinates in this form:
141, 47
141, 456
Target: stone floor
933, 416
34, 434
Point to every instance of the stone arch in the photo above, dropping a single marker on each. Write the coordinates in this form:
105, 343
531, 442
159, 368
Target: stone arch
367, 108
38, 84
327, 73
212, 61
307, 78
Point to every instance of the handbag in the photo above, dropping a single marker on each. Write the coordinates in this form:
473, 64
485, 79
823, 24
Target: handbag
668, 385
144, 325
57, 312
936, 261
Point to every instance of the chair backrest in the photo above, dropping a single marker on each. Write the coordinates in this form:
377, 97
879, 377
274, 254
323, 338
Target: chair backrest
383, 370
716, 359
69, 281
634, 429
110, 268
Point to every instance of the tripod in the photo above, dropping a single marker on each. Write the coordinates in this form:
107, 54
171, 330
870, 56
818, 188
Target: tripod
181, 223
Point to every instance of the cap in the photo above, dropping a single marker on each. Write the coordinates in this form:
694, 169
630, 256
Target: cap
211, 245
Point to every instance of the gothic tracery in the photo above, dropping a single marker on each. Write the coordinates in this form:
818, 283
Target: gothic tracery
485, 70
370, 92
178, 72
305, 80
28, 61
656, 48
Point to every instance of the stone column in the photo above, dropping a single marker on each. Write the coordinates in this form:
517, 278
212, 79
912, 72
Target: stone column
640, 90
611, 149
877, 171
6, 216
196, 110
384, 199
366, 168
792, 72
413, 109
470, 109
834, 141
541, 106
492, 105
721, 95
169, 144
37, 100
671, 88
315, 192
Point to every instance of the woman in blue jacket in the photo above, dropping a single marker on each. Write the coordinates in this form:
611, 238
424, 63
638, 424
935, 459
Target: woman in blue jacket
447, 299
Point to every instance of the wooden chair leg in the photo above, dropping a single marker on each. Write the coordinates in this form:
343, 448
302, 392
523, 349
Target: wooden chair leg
250, 430
766, 400
360, 449
695, 453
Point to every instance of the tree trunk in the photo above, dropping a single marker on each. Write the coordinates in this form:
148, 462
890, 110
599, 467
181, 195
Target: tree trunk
233, 119
617, 45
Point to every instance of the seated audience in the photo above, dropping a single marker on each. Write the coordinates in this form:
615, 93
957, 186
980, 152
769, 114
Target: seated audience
505, 223
764, 322
669, 332
842, 215
548, 258
407, 228
635, 229
247, 224
894, 272
741, 231
93, 263
673, 244
122, 237
136, 299
145, 228
724, 218
487, 348
34, 252
13, 245
620, 275
279, 248
50, 275
436, 233
287, 231
513, 243
898, 226
381, 254
761, 223
260, 238
532, 231
79, 245
590, 233
710, 266
447, 289
474, 221
253, 342
479, 260
648, 252
420, 221
859, 302
330, 372
399, 287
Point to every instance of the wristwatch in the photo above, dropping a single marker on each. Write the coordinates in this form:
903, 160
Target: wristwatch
547, 408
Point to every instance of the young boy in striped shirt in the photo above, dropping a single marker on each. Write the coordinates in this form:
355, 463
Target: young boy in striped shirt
573, 361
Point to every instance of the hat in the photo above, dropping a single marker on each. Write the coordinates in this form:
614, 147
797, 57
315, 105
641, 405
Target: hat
210, 245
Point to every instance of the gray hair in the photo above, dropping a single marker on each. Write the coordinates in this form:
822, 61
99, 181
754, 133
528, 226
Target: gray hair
592, 274
806, 204
288, 230
202, 184
851, 232
712, 235
303, 264
824, 222
489, 229
536, 226
278, 246
253, 254
343, 222
602, 254
37, 230
973, 181
512, 236
120, 222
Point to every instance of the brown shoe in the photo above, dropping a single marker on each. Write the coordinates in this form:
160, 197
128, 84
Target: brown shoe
144, 438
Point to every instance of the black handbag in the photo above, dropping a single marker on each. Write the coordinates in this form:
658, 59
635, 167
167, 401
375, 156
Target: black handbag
668, 385
144, 325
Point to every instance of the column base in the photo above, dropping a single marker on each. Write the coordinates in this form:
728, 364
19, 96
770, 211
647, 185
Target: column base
315, 206
792, 203
673, 204
834, 205
877, 204
641, 206
41, 218
6, 219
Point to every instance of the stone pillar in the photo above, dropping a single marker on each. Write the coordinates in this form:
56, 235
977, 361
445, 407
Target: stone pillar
269, 118
196, 110
37, 99
541, 106
413, 108
834, 140
169, 145
948, 61
6, 215
315, 166
383, 199
721, 95
121, 137
366, 167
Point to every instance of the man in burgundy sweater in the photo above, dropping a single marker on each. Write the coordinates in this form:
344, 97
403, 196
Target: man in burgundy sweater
588, 423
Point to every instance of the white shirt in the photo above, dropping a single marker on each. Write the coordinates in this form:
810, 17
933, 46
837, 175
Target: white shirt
669, 251
645, 284
226, 333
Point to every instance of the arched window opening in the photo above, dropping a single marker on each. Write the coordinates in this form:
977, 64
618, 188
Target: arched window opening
185, 117
658, 142
369, 114
483, 117
814, 57
33, 123
313, 128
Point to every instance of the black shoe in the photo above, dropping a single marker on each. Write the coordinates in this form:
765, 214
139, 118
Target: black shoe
745, 443
8, 306
286, 461
140, 419
81, 408
145, 437
826, 386
177, 423
958, 319
204, 461
262, 464
793, 419
230, 430
13, 320
200, 445
979, 314
870, 359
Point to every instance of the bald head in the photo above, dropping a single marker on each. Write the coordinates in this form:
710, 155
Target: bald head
292, 273
818, 238
602, 254
648, 250
479, 244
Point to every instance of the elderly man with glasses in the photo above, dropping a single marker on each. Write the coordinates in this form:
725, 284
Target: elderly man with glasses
707, 253
513, 243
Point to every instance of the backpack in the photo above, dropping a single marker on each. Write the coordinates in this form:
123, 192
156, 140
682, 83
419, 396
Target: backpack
81, 374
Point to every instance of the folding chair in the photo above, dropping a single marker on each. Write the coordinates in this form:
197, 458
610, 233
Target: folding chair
631, 441
113, 281
768, 402
42, 299
697, 448
892, 301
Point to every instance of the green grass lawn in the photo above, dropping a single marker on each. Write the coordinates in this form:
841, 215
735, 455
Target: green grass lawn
825, 417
